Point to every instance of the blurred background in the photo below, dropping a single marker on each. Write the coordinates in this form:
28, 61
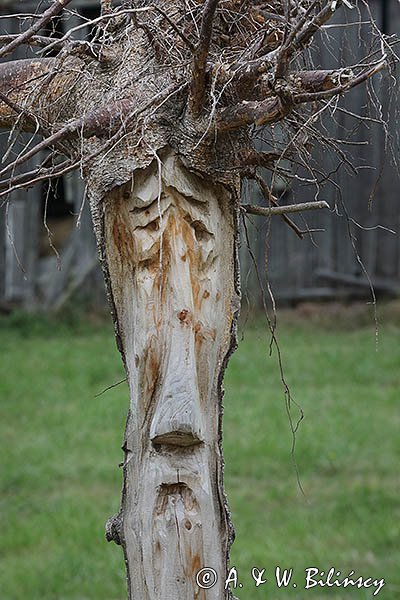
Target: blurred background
335, 500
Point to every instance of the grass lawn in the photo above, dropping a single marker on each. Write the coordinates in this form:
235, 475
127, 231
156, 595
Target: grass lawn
60, 449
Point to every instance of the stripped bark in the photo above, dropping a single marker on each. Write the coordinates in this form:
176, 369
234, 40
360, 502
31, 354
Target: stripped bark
170, 246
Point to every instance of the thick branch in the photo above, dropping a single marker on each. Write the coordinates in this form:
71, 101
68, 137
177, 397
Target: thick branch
319, 85
252, 113
103, 121
340, 89
322, 80
305, 81
245, 74
198, 84
36, 40
257, 158
54, 10
18, 80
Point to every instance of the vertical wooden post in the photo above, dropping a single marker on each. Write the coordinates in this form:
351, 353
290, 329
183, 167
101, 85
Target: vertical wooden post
170, 248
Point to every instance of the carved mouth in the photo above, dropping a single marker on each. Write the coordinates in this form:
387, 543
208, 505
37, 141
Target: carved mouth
177, 438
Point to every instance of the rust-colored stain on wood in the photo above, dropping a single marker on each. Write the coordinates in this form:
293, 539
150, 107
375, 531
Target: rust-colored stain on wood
173, 500
168, 272
185, 316
203, 333
152, 364
196, 564
123, 241
178, 227
149, 377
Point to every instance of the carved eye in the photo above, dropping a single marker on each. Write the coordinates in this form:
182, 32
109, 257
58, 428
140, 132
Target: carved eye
201, 232
153, 225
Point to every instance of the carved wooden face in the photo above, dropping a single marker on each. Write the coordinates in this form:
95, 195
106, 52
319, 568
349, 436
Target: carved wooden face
170, 239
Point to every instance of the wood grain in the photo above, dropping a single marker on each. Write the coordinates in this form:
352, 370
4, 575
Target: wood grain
170, 239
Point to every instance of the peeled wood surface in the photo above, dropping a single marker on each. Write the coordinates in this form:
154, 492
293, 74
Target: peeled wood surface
170, 240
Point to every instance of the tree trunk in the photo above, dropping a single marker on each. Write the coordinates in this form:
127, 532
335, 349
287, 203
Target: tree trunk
193, 83
168, 240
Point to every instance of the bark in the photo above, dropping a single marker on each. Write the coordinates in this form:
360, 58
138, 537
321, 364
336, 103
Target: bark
169, 240
20, 82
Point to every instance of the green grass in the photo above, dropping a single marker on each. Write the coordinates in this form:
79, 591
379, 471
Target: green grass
61, 446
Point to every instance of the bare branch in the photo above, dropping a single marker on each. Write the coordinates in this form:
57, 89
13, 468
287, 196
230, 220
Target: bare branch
310, 28
198, 83
341, 89
55, 9
36, 40
282, 210
252, 113
103, 121
276, 108
286, 48
270, 199
36, 177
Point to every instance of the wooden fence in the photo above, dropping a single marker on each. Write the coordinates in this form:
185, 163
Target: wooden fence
335, 263
328, 264
30, 276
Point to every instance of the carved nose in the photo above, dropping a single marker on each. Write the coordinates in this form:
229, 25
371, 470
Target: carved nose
177, 417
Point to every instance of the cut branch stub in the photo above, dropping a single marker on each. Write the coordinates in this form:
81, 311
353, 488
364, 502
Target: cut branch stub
170, 242
249, 113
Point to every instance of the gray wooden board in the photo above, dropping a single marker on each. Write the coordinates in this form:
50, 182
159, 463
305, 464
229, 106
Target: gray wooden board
20, 221
25, 278
294, 265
